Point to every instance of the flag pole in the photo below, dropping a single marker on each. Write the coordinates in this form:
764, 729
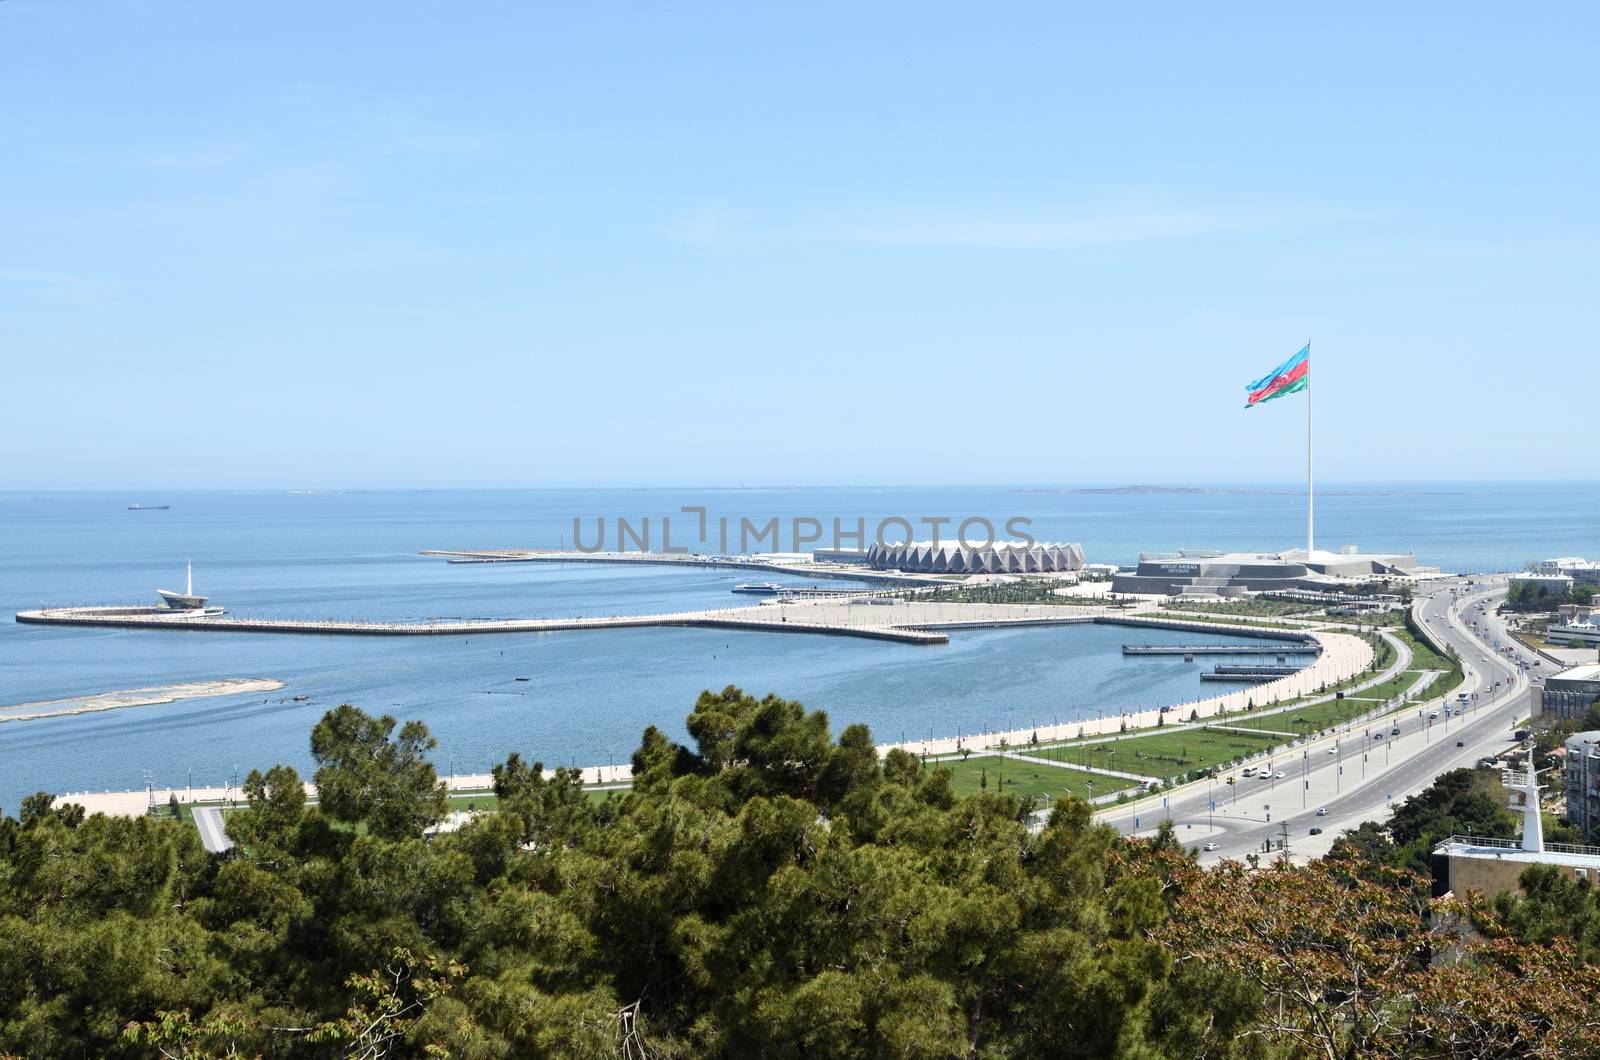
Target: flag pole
1310, 502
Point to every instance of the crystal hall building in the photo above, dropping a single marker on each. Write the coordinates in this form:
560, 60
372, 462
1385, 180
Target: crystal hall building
1001, 557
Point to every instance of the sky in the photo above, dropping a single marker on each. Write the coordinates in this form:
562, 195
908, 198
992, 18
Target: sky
429, 245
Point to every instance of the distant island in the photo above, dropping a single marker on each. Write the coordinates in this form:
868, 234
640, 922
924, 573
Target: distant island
1242, 490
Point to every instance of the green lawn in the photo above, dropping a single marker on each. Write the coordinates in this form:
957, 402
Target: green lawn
1368, 620
1026, 591
1026, 778
599, 795
1258, 607
1161, 754
1191, 616
1319, 716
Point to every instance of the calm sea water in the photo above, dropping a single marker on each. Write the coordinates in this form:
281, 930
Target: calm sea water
590, 693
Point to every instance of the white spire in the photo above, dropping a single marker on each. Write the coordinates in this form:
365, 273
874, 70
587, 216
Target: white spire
188, 581
1532, 823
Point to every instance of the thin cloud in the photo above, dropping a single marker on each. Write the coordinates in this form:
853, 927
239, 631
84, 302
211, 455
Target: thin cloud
1515, 248
713, 227
47, 279
988, 231
707, 227
200, 156
415, 138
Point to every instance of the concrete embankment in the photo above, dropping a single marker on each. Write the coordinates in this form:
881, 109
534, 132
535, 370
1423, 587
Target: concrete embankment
1341, 656
752, 619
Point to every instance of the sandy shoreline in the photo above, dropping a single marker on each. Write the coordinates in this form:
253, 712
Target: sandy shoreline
137, 697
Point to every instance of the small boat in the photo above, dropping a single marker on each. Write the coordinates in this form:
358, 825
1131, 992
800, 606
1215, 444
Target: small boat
148, 507
759, 588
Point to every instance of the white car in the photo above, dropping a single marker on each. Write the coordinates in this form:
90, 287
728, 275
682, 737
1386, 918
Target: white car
1213, 845
1278, 774
1333, 750
1322, 811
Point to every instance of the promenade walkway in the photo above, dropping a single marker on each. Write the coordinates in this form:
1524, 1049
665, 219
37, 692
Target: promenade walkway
212, 836
1342, 656
1036, 760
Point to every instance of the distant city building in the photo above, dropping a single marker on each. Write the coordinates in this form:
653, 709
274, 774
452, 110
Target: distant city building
1463, 864
1577, 568
782, 558
1553, 586
1580, 629
1198, 572
1583, 784
840, 555
1004, 557
1567, 695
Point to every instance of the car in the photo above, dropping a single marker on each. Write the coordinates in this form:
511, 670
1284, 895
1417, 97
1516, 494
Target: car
1278, 775
1211, 845
1316, 831
1377, 736
1461, 743
1322, 811
1333, 750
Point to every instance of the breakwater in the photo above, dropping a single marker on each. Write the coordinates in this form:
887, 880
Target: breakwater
753, 619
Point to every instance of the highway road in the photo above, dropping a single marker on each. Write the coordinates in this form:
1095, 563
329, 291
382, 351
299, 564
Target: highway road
1355, 776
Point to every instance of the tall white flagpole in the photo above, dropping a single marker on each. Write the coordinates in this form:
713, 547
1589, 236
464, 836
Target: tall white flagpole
1310, 521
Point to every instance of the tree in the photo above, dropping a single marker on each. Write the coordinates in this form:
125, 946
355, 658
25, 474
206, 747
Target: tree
1553, 906
1459, 802
758, 894
269, 825
1343, 967
364, 775
1591, 716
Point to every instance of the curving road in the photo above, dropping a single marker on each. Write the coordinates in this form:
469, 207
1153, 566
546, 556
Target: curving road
1356, 775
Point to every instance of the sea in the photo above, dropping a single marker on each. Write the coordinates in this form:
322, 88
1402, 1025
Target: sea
584, 697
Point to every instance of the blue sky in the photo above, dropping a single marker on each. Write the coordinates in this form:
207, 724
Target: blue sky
406, 244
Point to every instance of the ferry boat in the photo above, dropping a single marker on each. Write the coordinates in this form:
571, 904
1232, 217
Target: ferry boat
759, 588
186, 600
148, 507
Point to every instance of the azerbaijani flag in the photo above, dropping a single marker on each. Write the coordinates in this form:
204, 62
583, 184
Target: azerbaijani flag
1290, 377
